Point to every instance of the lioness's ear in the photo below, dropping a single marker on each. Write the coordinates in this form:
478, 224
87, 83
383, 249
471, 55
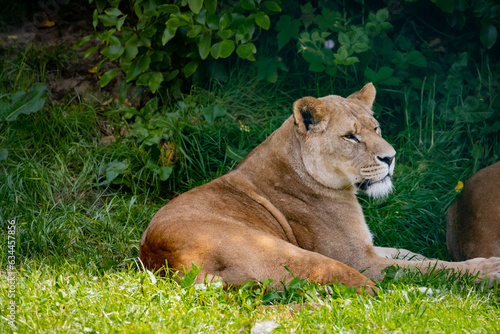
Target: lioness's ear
308, 112
366, 95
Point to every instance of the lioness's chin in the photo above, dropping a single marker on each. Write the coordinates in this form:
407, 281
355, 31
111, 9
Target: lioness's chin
379, 189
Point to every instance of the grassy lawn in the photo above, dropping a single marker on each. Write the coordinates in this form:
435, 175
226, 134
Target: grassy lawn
77, 235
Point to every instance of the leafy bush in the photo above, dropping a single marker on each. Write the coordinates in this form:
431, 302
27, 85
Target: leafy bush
155, 42
430, 78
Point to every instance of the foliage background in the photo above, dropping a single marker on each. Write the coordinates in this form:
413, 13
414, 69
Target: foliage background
432, 74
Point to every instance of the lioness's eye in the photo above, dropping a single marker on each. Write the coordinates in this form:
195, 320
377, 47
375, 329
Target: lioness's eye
350, 136
377, 130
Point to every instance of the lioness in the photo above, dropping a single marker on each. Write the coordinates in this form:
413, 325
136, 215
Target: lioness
292, 202
474, 219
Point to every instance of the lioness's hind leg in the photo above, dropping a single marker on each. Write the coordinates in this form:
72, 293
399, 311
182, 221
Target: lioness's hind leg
254, 255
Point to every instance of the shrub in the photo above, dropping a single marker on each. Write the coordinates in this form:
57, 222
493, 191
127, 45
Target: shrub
155, 43
431, 77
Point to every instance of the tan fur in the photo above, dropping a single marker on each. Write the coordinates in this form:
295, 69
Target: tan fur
474, 219
292, 202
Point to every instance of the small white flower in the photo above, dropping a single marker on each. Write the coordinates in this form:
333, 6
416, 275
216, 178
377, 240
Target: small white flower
329, 44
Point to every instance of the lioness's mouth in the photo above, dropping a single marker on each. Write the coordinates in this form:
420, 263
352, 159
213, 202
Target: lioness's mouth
365, 184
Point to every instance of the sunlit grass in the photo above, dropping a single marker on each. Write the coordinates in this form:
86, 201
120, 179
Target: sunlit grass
69, 299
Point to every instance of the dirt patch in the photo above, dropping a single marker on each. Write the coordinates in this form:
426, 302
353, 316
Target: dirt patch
46, 40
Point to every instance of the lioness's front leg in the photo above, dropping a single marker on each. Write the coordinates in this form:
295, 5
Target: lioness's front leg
487, 268
398, 253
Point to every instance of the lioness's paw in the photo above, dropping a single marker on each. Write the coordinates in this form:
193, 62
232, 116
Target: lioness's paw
488, 268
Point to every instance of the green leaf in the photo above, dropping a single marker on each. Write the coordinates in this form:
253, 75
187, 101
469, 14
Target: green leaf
113, 40
394, 81
90, 51
332, 71
213, 21
173, 22
329, 20
211, 6
113, 170
213, 112
113, 12
113, 52
360, 47
351, 61
23, 102
473, 110
316, 67
225, 34
312, 57
226, 48
155, 81
383, 76
416, 58
342, 53
246, 50
262, 20
133, 71
81, 42
272, 6
100, 4
120, 22
108, 20
201, 18
382, 15
143, 79
215, 51
247, 4
225, 20
235, 154
195, 5
195, 31
404, 43
287, 29
95, 19
146, 41
245, 31
4, 154
130, 52
489, 35
413, 57
172, 9
168, 34
445, 5
189, 277
190, 68
204, 45
385, 72
344, 40
172, 75
165, 172
307, 16
108, 76
144, 62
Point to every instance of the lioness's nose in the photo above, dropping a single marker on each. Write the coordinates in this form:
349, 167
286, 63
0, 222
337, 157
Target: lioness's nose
388, 160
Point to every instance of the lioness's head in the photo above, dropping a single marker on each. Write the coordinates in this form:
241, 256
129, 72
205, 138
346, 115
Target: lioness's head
341, 142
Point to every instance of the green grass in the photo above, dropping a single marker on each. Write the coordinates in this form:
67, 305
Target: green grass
77, 241
69, 299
